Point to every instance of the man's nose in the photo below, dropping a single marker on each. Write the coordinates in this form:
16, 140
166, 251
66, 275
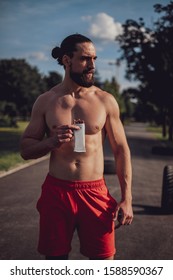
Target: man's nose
91, 64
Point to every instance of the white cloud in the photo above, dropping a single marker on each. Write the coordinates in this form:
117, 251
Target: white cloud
38, 56
103, 27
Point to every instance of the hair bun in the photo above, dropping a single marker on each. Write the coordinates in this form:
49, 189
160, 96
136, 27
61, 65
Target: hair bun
56, 52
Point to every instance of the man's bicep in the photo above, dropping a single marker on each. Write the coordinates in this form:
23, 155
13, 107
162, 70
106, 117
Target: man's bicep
114, 127
36, 128
115, 133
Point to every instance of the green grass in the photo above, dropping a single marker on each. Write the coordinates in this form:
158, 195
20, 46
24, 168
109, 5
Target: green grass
157, 131
10, 160
9, 146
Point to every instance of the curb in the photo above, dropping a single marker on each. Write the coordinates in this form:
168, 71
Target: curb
22, 166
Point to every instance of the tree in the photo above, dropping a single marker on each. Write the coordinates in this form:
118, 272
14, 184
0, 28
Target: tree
114, 88
20, 83
97, 82
149, 57
52, 79
164, 35
8, 114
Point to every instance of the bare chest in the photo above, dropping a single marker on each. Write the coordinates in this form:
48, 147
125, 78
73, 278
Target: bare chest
93, 113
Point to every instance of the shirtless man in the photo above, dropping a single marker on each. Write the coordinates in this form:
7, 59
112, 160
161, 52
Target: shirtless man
74, 195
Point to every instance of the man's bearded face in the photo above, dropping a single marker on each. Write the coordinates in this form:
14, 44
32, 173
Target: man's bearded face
84, 79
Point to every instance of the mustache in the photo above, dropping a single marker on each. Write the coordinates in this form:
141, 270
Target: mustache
89, 70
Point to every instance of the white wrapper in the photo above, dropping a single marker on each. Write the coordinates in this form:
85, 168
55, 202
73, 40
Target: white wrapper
79, 138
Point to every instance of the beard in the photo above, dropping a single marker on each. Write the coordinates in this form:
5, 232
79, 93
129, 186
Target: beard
82, 79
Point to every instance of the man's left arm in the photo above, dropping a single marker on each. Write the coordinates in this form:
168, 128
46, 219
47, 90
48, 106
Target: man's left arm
120, 148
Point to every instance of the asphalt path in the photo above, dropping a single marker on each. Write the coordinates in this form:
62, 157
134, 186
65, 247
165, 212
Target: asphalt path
149, 237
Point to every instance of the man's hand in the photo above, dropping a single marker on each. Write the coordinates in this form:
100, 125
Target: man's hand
63, 134
123, 214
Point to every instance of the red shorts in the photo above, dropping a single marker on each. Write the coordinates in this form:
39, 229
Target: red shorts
86, 206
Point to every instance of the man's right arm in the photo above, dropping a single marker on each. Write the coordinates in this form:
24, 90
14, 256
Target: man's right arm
33, 142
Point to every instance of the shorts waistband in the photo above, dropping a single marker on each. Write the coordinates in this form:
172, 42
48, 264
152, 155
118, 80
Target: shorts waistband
75, 184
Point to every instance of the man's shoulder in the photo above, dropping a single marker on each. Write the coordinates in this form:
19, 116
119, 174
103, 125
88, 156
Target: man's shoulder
104, 95
45, 96
108, 100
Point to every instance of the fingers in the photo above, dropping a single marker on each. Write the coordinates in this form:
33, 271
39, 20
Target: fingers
126, 220
117, 218
64, 133
122, 218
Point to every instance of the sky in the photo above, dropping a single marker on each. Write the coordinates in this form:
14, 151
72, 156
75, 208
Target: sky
30, 29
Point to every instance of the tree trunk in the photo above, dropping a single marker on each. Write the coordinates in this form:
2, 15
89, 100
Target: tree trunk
170, 131
164, 130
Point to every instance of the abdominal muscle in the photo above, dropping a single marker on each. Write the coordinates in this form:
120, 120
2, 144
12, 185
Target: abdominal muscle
69, 165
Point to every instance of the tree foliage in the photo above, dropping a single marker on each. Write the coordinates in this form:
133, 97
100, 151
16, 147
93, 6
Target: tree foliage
52, 79
149, 56
114, 88
20, 85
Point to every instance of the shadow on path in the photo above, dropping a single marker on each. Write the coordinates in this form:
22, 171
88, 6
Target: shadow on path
149, 210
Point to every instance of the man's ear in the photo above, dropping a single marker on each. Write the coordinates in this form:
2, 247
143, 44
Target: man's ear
66, 60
